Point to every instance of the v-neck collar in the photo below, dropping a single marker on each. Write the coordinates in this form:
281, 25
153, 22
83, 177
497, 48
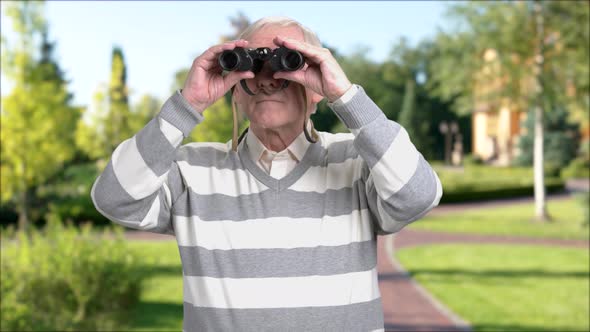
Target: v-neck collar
312, 153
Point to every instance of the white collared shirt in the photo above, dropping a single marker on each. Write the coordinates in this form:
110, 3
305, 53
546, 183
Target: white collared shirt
279, 164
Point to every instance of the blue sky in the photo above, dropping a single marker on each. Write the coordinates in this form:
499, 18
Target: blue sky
158, 37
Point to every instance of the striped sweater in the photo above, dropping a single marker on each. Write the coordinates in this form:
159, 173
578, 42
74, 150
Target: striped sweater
265, 254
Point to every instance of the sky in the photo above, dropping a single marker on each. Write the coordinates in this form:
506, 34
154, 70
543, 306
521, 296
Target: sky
158, 38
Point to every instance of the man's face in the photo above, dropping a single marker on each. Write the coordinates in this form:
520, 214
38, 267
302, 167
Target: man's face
272, 107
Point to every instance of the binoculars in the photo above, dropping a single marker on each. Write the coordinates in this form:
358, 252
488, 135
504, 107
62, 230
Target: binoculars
241, 59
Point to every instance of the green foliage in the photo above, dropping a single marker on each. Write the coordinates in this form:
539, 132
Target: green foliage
560, 141
67, 196
110, 120
472, 160
479, 183
519, 55
414, 119
583, 199
324, 118
218, 124
484, 191
578, 168
178, 80
67, 279
458, 73
407, 116
37, 119
118, 127
90, 135
143, 111
509, 28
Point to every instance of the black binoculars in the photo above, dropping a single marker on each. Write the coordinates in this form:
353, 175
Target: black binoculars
241, 59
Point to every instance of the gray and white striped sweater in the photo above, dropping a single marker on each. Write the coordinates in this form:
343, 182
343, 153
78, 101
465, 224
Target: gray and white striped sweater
261, 254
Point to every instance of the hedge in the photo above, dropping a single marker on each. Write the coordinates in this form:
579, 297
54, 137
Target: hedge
482, 191
65, 278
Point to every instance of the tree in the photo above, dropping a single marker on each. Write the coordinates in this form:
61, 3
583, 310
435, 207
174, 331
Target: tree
522, 55
38, 120
560, 143
414, 117
408, 116
108, 121
239, 23
117, 126
143, 111
91, 135
217, 126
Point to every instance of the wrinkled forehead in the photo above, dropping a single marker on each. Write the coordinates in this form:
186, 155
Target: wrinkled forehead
264, 37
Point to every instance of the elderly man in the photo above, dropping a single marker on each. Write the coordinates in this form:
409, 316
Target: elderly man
279, 232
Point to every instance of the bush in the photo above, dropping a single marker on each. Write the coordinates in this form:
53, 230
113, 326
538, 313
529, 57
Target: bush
472, 160
68, 196
67, 279
583, 199
481, 191
579, 168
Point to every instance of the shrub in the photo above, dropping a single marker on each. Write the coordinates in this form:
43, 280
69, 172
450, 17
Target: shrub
472, 160
481, 191
578, 168
67, 279
583, 199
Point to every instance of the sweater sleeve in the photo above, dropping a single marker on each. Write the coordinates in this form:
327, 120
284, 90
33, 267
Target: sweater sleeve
400, 185
141, 181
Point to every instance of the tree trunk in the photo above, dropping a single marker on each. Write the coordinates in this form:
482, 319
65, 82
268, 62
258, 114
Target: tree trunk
538, 156
539, 172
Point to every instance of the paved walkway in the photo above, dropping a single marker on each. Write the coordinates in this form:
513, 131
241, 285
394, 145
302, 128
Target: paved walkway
406, 305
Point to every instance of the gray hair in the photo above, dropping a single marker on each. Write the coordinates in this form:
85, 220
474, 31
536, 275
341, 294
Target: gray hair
309, 36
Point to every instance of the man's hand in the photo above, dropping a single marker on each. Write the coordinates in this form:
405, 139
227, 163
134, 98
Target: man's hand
204, 83
322, 73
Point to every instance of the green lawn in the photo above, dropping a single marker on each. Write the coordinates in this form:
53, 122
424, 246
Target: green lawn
513, 220
506, 288
160, 307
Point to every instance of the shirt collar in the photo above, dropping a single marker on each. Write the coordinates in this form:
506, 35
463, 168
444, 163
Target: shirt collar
297, 148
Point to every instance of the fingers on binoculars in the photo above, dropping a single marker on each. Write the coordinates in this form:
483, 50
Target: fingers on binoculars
210, 56
311, 52
234, 77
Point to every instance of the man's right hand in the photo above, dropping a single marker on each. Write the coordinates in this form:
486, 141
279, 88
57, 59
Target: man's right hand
204, 83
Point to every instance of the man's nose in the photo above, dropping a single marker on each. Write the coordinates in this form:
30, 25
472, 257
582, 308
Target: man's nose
265, 80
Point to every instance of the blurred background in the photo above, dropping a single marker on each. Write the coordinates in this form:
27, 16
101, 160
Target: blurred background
495, 95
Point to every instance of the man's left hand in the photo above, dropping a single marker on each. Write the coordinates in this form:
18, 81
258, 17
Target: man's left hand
322, 73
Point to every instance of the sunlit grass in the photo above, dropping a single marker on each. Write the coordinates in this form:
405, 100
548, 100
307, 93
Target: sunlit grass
160, 307
515, 220
506, 288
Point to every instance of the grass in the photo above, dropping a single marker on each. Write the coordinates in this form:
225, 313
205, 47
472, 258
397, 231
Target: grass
160, 307
515, 220
506, 288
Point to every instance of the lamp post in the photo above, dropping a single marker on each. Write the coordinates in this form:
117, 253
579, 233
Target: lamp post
448, 130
